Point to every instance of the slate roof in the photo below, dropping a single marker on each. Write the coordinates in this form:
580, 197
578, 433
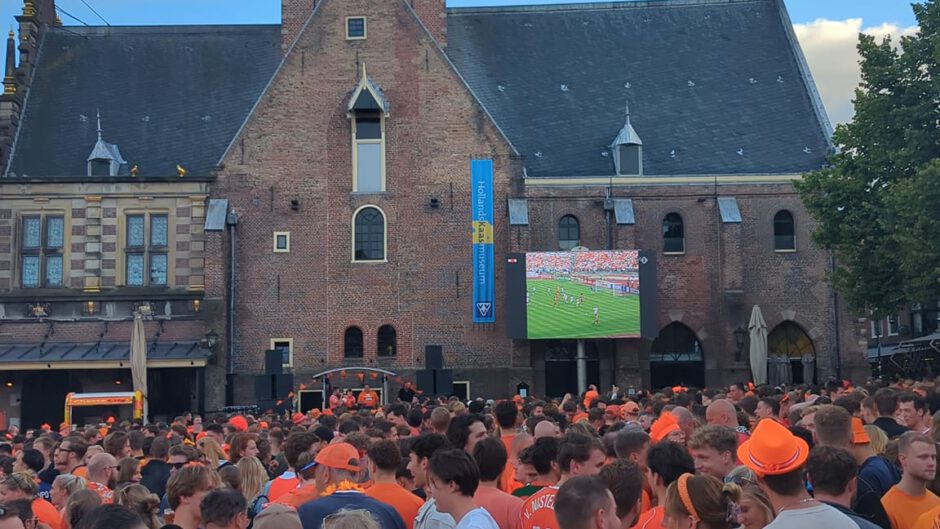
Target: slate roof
107, 351
714, 86
167, 95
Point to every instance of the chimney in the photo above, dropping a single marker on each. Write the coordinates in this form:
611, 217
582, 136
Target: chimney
37, 16
294, 13
433, 15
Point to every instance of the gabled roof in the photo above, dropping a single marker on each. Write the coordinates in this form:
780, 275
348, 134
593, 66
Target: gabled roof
172, 94
714, 86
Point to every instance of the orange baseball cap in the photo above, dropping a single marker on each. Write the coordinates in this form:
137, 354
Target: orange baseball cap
612, 410
859, 435
630, 408
315, 413
298, 417
343, 456
663, 426
772, 450
579, 417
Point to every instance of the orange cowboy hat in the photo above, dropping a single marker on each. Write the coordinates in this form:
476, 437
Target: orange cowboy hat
663, 426
773, 450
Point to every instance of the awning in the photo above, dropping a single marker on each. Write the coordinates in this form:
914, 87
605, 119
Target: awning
886, 351
105, 355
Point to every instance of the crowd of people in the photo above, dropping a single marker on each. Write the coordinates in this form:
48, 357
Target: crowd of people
568, 262
838, 456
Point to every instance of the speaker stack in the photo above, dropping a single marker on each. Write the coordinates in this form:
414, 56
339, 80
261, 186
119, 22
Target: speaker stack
274, 385
434, 379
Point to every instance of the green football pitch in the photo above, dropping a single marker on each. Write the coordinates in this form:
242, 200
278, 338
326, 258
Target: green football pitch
619, 315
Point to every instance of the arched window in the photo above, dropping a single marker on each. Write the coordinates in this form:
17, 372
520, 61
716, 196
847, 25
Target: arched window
784, 232
676, 343
673, 234
369, 234
388, 341
569, 232
352, 343
791, 355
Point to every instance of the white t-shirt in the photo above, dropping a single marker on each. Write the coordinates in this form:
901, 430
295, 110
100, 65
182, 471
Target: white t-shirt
477, 519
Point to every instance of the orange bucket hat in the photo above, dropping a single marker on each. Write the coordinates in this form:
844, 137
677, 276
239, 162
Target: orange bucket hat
773, 450
859, 435
663, 426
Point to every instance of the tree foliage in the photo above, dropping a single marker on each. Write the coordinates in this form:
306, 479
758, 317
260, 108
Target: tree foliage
877, 204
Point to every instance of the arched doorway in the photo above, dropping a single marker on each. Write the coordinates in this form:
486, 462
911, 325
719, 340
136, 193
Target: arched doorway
791, 355
677, 358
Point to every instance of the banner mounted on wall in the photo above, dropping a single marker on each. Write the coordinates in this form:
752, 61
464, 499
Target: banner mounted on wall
484, 273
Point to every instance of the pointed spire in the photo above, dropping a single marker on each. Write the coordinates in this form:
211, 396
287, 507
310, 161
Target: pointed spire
9, 76
99, 124
627, 135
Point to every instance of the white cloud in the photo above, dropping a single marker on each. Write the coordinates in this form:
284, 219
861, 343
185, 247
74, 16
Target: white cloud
829, 46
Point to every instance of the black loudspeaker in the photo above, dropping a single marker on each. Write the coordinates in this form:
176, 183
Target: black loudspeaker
425, 379
267, 405
444, 381
283, 385
264, 389
433, 357
273, 362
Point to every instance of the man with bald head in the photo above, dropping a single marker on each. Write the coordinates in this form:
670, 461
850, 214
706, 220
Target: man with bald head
686, 420
102, 473
723, 413
547, 429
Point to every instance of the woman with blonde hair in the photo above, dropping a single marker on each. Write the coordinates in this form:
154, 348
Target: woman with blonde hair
700, 502
878, 439
63, 486
350, 519
753, 509
137, 498
254, 476
211, 452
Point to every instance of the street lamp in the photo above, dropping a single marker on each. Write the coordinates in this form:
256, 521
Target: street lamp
739, 336
211, 340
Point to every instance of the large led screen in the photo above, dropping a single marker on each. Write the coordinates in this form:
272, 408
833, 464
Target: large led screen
582, 294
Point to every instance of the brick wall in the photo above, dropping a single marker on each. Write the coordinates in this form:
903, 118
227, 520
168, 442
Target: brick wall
297, 146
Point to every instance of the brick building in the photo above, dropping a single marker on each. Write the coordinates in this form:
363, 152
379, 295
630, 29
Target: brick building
336, 151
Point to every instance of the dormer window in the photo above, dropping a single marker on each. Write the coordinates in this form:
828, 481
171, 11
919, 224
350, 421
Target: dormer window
355, 28
368, 110
628, 150
105, 158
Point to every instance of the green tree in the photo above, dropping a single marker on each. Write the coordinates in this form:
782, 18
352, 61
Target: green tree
877, 203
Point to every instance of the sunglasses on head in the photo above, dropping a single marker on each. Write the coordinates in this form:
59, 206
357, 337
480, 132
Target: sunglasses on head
177, 466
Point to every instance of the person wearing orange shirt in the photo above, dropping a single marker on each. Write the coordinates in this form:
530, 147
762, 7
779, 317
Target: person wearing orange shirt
368, 398
296, 444
384, 460
578, 455
22, 486
491, 460
102, 471
508, 417
306, 490
68, 456
909, 499
590, 396
665, 462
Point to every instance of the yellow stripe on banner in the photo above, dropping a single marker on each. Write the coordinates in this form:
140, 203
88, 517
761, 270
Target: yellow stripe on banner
482, 232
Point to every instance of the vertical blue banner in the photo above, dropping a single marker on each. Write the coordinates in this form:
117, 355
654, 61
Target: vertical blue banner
484, 272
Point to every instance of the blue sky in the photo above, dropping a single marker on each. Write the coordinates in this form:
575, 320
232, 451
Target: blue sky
873, 12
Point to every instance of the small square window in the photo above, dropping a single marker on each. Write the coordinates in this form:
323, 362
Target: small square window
281, 241
355, 28
285, 346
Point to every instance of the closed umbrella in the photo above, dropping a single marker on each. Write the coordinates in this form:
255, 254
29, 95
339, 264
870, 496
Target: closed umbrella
758, 334
139, 360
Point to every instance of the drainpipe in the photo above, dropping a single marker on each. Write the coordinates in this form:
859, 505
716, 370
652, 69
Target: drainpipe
835, 319
231, 220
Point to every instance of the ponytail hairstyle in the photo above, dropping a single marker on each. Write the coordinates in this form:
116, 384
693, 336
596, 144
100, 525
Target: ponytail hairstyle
137, 498
705, 499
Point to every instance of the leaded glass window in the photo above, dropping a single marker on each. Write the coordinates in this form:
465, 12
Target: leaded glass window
158, 272
41, 246
32, 232
135, 231
135, 269
55, 232
30, 271
54, 270
158, 231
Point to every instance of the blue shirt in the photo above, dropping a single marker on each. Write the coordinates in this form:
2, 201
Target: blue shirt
875, 476
313, 512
